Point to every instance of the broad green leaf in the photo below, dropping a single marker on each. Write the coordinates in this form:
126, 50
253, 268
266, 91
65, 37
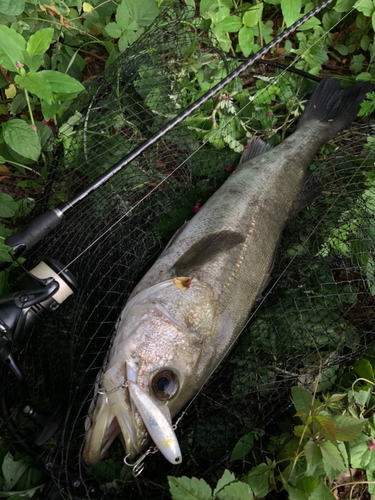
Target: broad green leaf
12, 7
322, 493
253, 16
12, 45
243, 447
370, 474
39, 42
302, 399
342, 49
231, 24
365, 6
246, 40
49, 110
5, 256
302, 430
295, 494
348, 428
225, 479
20, 137
359, 453
114, 30
33, 62
258, 480
344, 5
208, 7
311, 23
332, 460
307, 484
122, 16
363, 369
8, 207
184, 488
290, 10
61, 83
142, 11
13, 470
235, 491
326, 427
313, 453
36, 84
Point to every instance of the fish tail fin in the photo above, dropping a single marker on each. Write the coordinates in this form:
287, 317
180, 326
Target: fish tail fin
329, 104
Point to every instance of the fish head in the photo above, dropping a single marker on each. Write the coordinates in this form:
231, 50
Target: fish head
163, 345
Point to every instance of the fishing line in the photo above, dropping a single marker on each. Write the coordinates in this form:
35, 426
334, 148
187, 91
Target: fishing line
192, 108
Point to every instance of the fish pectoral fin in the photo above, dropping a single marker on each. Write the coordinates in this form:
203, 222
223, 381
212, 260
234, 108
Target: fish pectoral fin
205, 250
256, 148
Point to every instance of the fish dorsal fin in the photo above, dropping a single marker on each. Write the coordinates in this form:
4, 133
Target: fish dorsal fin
255, 148
205, 250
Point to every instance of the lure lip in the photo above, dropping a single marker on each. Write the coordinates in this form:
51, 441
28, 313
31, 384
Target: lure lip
156, 423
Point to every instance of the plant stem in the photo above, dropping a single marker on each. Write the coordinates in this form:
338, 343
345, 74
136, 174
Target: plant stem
29, 107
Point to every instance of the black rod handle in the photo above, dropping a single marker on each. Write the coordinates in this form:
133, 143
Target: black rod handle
26, 238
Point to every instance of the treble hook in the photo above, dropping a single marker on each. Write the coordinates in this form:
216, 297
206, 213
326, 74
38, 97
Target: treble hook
139, 465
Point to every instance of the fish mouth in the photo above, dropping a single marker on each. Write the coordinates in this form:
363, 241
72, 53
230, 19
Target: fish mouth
130, 413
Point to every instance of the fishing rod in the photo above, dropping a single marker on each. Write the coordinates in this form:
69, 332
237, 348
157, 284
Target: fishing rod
49, 284
25, 239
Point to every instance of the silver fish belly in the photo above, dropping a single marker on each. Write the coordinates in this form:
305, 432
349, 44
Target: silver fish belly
185, 314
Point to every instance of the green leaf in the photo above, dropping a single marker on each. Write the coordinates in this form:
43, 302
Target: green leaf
359, 453
39, 42
8, 207
246, 40
302, 430
122, 16
49, 110
12, 7
344, 5
183, 488
258, 480
290, 10
12, 45
313, 453
295, 494
322, 493
225, 479
302, 399
342, 49
348, 428
33, 62
113, 30
365, 6
62, 84
326, 427
142, 11
20, 137
231, 24
331, 455
13, 470
243, 447
208, 7
36, 84
253, 16
5, 256
235, 491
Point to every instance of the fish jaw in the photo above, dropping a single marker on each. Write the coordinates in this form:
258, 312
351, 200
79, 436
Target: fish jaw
101, 429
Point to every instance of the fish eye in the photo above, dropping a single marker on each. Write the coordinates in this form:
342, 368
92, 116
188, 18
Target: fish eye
164, 384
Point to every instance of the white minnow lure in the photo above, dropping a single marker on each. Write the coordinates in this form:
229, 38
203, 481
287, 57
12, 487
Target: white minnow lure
158, 426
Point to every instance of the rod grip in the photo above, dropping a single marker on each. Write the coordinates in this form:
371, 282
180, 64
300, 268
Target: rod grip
23, 240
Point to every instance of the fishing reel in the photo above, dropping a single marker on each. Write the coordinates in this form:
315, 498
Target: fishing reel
43, 290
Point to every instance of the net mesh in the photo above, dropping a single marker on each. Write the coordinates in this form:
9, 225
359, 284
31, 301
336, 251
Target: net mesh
315, 315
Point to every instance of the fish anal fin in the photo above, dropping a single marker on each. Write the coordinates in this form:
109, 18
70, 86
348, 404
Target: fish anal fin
256, 148
207, 249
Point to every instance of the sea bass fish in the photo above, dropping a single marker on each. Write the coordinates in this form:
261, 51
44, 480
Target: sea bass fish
185, 314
